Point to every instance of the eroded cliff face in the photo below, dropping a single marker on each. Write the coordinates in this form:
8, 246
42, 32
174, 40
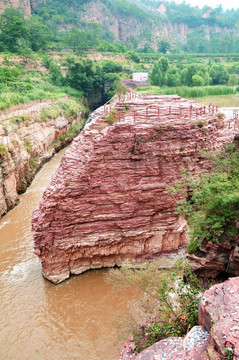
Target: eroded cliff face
26, 142
216, 260
108, 202
125, 24
22, 5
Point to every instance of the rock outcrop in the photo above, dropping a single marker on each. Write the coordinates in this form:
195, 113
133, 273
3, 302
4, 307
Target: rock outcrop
217, 260
26, 142
108, 202
216, 338
23, 5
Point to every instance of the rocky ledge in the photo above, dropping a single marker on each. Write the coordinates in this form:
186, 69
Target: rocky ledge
29, 136
216, 338
108, 202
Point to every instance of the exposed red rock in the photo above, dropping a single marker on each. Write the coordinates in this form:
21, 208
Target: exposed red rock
108, 202
219, 315
192, 347
217, 259
216, 338
27, 144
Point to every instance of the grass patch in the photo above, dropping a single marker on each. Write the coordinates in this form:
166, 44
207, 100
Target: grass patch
3, 150
188, 92
71, 133
68, 108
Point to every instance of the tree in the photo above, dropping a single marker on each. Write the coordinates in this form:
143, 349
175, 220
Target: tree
233, 80
197, 80
14, 30
163, 46
39, 35
158, 75
188, 75
173, 77
134, 42
84, 75
76, 39
219, 74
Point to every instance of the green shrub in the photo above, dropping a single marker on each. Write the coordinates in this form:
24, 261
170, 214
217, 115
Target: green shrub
3, 150
32, 163
111, 117
71, 133
27, 145
212, 210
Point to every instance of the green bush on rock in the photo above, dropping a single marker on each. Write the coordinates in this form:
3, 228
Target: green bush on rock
211, 203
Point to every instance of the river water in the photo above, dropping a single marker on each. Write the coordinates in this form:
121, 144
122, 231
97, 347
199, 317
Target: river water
39, 320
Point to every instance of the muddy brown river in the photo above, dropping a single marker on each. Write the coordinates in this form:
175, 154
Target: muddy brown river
42, 321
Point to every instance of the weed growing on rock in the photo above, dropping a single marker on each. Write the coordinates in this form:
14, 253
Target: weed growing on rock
228, 353
71, 133
5, 129
3, 150
111, 117
201, 123
32, 163
101, 126
27, 145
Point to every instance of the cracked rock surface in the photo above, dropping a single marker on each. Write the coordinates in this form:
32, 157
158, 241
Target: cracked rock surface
108, 202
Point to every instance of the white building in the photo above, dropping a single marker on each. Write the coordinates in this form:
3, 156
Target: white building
141, 77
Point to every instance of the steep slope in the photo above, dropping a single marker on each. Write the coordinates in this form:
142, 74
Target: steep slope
108, 202
140, 24
26, 142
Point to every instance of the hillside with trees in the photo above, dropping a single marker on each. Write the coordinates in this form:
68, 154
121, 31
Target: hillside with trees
143, 26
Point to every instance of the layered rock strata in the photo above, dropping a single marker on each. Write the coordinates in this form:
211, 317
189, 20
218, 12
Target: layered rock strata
217, 260
26, 142
216, 338
108, 202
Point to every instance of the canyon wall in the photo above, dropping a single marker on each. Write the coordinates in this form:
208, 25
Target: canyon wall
108, 202
26, 142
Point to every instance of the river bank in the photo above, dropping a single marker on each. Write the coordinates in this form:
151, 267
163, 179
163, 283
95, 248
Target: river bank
30, 136
39, 321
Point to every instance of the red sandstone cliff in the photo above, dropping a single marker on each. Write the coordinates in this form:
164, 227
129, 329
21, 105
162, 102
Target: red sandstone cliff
26, 142
108, 201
